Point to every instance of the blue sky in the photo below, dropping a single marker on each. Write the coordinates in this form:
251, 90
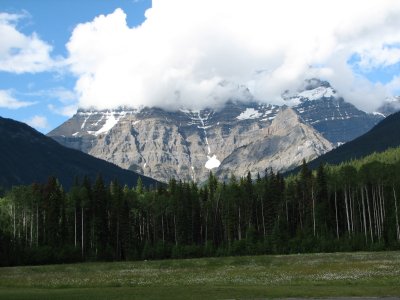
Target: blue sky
56, 56
53, 22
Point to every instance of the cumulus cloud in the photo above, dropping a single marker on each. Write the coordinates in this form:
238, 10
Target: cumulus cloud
60, 93
66, 110
64, 101
20, 53
185, 49
7, 100
67, 101
379, 57
394, 85
38, 122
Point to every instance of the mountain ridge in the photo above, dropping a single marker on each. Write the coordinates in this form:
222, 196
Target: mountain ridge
380, 138
27, 156
186, 144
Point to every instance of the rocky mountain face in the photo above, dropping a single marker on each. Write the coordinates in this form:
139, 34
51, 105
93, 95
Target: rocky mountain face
188, 144
280, 146
323, 108
238, 138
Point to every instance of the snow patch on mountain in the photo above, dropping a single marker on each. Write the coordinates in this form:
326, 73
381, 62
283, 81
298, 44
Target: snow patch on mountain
318, 93
212, 162
111, 121
84, 122
204, 127
249, 113
376, 113
309, 95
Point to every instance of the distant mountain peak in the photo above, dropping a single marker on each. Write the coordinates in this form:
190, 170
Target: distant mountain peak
311, 90
313, 83
389, 106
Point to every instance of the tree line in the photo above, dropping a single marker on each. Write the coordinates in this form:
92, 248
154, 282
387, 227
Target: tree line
349, 207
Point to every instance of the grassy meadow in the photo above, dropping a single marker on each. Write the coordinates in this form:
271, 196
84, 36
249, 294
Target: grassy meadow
247, 277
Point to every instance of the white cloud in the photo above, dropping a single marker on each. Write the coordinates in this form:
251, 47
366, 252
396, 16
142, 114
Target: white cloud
60, 94
7, 100
38, 122
20, 53
394, 85
185, 48
65, 99
379, 57
66, 110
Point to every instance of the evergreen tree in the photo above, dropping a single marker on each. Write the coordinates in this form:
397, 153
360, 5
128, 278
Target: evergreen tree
101, 230
322, 208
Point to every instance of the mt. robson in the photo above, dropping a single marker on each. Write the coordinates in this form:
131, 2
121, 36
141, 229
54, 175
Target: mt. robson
236, 139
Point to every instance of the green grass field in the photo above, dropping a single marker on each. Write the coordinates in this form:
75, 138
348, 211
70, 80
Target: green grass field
312, 275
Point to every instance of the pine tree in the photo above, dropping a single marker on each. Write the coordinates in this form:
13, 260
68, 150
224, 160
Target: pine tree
101, 230
322, 208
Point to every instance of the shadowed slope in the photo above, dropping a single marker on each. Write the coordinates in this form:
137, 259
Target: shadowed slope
27, 156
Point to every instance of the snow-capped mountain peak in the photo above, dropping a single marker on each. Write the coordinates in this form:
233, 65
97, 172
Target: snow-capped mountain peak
318, 93
313, 89
390, 106
239, 137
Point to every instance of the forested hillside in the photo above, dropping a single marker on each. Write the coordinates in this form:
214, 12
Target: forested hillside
353, 206
27, 156
381, 137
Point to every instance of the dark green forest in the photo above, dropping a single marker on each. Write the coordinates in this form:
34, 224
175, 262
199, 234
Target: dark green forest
349, 207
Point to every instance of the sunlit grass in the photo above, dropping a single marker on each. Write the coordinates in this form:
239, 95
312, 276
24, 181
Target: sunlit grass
337, 274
